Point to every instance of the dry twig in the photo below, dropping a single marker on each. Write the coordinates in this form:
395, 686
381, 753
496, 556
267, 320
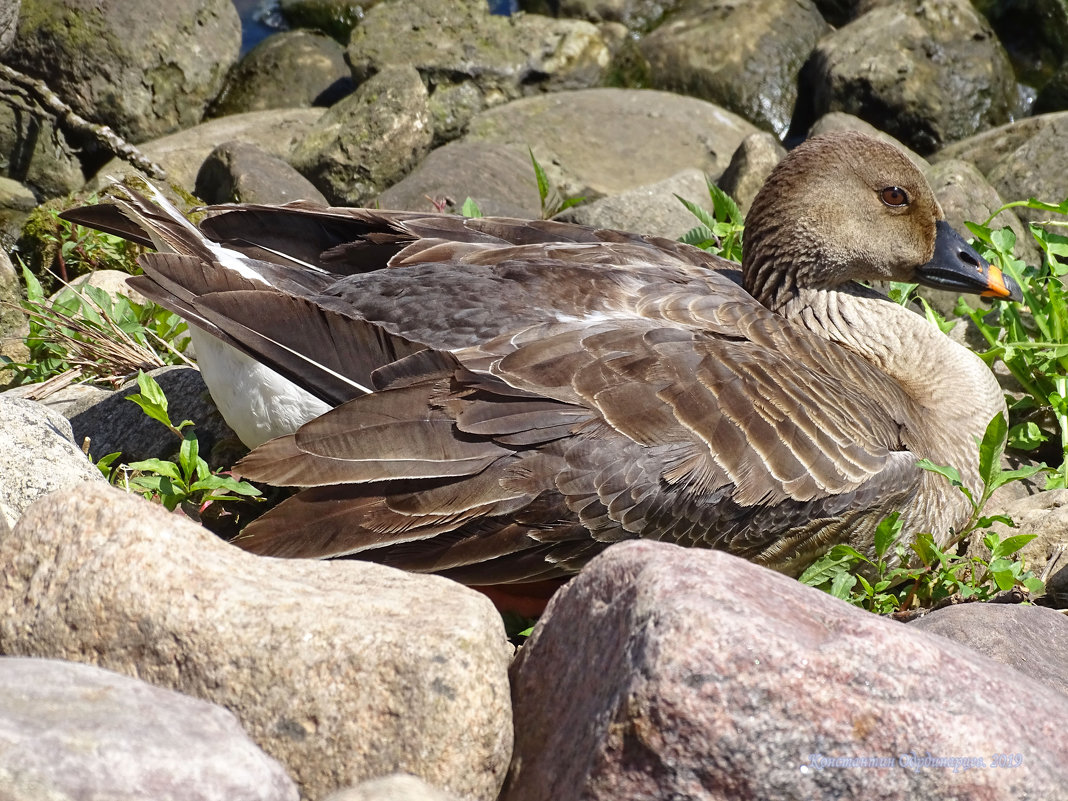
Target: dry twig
70, 120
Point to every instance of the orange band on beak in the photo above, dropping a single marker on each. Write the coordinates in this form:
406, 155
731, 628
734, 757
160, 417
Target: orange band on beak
996, 281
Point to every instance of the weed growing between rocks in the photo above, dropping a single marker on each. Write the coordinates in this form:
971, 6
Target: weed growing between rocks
1031, 339
88, 334
719, 232
924, 574
189, 482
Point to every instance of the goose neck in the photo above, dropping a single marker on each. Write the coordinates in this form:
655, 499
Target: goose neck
954, 394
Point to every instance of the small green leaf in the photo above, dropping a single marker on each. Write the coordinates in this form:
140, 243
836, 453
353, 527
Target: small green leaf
1018, 474
980, 232
1011, 545
707, 219
726, 209
541, 178
470, 208
988, 520
901, 292
925, 548
1034, 585
1001, 570
700, 237
105, 462
944, 470
991, 449
842, 584
34, 292
189, 454
1004, 240
839, 558
568, 203
159, 466
887, 532
215, 481
151, 399
1026, 436
150, 483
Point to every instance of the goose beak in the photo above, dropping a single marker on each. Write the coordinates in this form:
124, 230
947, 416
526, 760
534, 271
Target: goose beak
956, 265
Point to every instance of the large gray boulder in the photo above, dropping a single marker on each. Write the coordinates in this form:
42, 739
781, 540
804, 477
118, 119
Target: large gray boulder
9, 18
664, 672
113, 423
34, 152
750, 166
745, 55
1029, 638
145, 69
499, 177
840, 121
183, 153
336, 18
1021, 160
597, 142
237, 172
473, 60
1035, 33
396, 787
40, 456
637, 15
16, 203
369, 140
929, 72
342, 671
653, 210
71, 731
13, 325
966, 195
290, 69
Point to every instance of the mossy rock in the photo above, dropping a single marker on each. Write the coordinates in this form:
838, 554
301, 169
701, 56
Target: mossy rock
335, 18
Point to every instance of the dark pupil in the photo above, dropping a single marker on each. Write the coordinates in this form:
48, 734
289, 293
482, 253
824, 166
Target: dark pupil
894, 196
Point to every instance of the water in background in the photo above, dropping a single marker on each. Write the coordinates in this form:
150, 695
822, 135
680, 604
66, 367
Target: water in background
261, 18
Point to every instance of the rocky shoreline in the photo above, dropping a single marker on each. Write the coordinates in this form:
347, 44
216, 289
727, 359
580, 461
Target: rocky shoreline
144, 657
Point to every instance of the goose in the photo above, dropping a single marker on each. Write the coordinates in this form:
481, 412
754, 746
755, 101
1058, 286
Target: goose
498, 400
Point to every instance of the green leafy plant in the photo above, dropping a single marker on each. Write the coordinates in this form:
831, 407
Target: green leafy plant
924, 572
62, 250
95, 335
719, 232
83, 250
189, 482
552, 202
1031, 339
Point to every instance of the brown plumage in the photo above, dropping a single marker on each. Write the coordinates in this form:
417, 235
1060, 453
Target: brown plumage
508, 398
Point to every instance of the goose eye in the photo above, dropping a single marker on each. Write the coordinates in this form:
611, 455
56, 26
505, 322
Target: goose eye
894, 196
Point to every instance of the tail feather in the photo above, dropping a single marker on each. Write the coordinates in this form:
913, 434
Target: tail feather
330, 355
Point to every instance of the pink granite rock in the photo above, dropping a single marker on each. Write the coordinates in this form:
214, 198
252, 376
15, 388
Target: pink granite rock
662, 672
342, 671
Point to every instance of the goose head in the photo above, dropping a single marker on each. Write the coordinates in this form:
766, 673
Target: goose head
846, 207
